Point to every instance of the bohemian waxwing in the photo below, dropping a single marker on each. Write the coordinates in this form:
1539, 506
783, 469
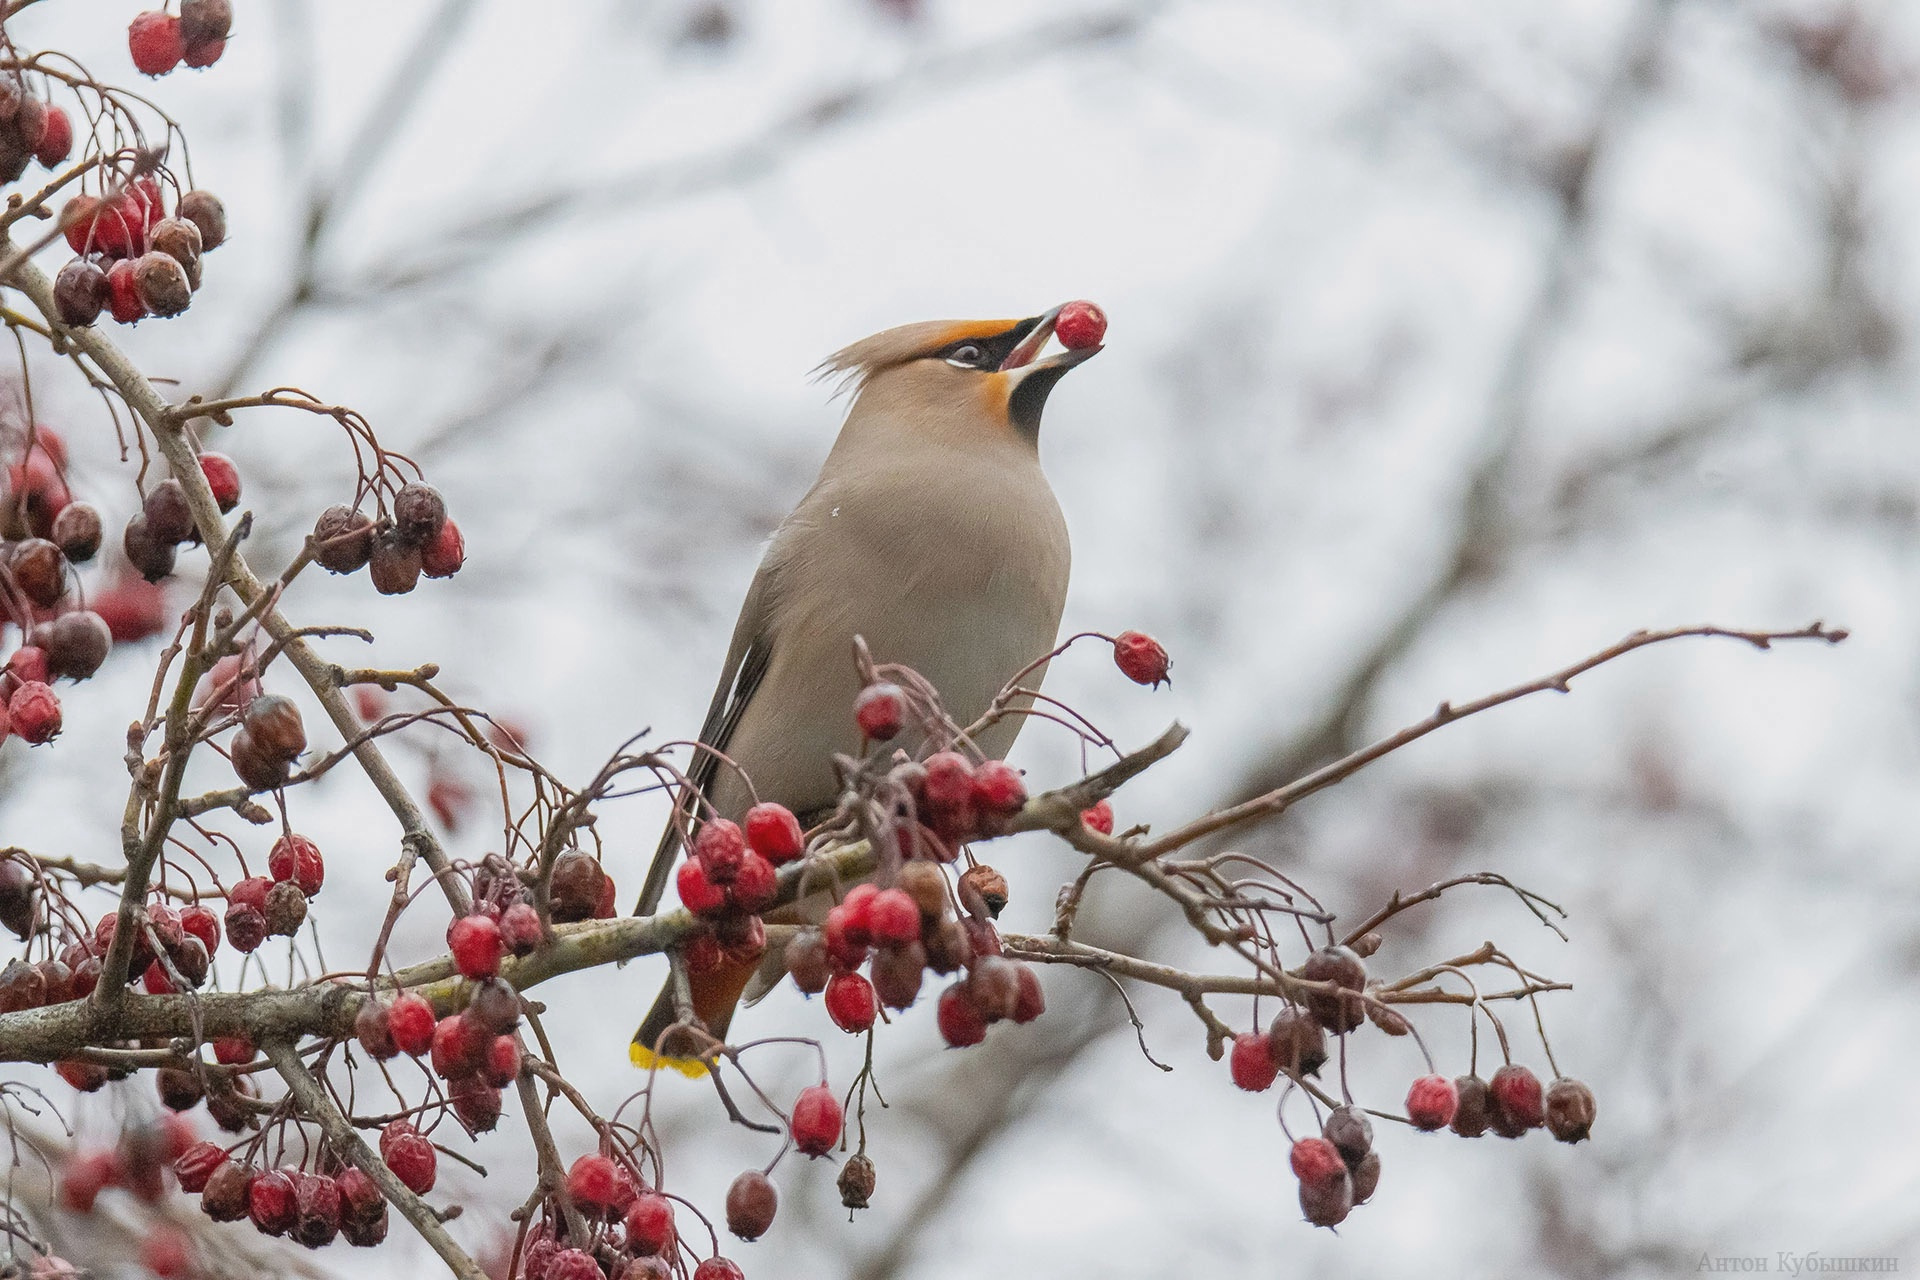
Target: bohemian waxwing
930, 532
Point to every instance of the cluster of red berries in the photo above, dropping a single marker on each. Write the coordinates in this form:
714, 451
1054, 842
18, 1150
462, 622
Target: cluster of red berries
30, 129
1337, 1170
275, 905
135, 260
159, 41
632, 1234
418, 537
1510, 1104
309, 1207
155, 533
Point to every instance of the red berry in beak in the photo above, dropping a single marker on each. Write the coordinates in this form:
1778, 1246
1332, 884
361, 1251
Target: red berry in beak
1079, 325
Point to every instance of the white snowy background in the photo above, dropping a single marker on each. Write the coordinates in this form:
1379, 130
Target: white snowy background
1451, 340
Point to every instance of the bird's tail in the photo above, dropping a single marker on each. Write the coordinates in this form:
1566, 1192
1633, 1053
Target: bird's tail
660, 1042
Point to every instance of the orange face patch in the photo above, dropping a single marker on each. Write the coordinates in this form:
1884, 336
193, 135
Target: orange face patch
963, 330
995, 391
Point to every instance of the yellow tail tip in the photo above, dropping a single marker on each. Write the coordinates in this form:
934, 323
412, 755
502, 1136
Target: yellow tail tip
647, 1060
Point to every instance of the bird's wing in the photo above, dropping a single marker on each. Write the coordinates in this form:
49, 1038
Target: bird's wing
746, 665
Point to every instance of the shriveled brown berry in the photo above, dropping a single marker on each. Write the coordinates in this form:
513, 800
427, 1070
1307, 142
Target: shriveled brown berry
1570, 1109
1327, 1204
179, 1090
164, 288
203, 21
19, 898
926, 884
751, 1204
418, 513
372, 1028
1350, 1132
806, 960
394, 565
342, 539
1339, 966
947, 946
1474, 1112
80, 293
169, 518
77, 644
39, 570
1366, 1176
204, 210
286, 910
574, 890
77, 531
316, 1200
179, 239
856, 1182
897, 974
257, 768
494, 1006
520, 929
224, 1198
994, 987
152, 557
246, 928
983, 890
275, 724
1297, 1042
476, 1104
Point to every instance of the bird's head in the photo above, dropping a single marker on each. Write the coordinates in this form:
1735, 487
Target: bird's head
958, 374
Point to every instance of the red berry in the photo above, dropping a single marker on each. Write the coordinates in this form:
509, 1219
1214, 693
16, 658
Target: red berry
502, 1065
476, 945
649, 1223
250, 892
83, 1178
721, 847
270, 1202
1431, 1102
1031, 1001
572, 1264
1253, 1066
1099, 818
1315, 1160
223, 478
296, 858
774, 833
851, 1003
28, 665
949, 784
816, 1120
443, 556
593, 1184
998, 789
1140, 658
718, 1268
166, 1252
411, 1022
34, 713
196, 1164
842, 950
893, 918
755, 885
202, 924
410, 1156
520, 928
698, 893
56, 142
1518, 1102
880, 711
156, 44
459, 1047
1080, 325
857, 909
960, 1022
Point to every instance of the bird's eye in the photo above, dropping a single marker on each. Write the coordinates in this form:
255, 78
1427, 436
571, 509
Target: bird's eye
964, 357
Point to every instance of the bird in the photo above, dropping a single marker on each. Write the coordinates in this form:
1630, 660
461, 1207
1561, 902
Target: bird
932, 534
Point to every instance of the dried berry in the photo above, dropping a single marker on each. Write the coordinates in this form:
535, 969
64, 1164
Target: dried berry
1317, 1161
77, 532
34, 713
1570, 1109
204, 210
286, 910
494, 1006
1474, 1112
197, 1164
994, 987
1327, 1204
202, 21
520, 929
259, 770
296, 858
316, 1200
77, 643
80, 293
410, 1156
1431, 1102
1350, 1132
270, 1202
418, 513
1251, 1063
719, 1268
577, 886
224, 1199
880, 711
817, 1120
246, 928
983, 891
897, 974
342, 539
1080, 325
275, 725
1141, 658
165, 290
394, 565
40, 571
751, 1204
856, 1183
360, 1198
373, 1028
179, 1090
1337, 1011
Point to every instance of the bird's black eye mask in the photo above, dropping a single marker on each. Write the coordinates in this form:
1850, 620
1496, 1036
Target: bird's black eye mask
986, 354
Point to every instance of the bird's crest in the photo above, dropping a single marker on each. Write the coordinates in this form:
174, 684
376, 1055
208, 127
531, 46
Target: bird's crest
853, 365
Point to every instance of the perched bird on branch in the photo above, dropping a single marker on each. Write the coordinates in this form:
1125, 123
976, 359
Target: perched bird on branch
931, 533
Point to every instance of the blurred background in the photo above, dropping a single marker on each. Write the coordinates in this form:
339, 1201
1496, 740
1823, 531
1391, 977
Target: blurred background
1450, 341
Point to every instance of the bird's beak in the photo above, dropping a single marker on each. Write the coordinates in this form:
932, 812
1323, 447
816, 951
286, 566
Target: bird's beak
1022, 356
